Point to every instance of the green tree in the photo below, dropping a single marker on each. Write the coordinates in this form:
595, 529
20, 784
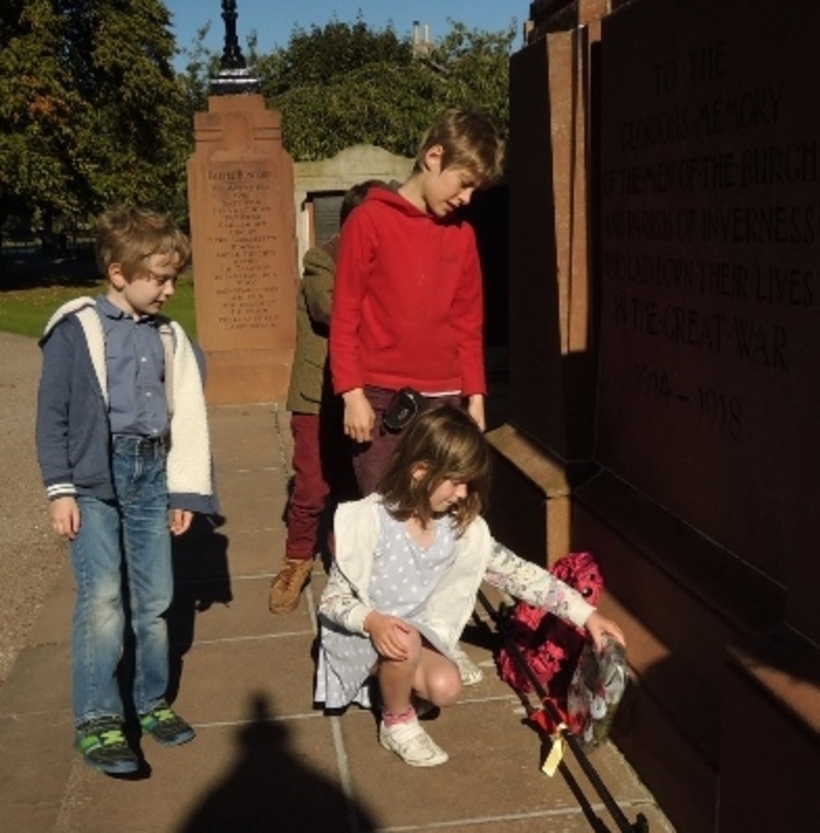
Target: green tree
342, 84
91, 111
201, 64
475, 64
37, 105
323, 54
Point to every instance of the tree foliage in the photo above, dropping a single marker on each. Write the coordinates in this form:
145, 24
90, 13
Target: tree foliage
137, 137
91, 111
37, 104
343, 84
323, 54
379, 91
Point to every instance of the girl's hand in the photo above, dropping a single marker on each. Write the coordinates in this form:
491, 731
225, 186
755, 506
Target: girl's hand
598, 625
359, 417
387, 633
180, 521
64, 513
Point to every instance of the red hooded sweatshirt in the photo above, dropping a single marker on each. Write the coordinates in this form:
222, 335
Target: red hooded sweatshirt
408, 307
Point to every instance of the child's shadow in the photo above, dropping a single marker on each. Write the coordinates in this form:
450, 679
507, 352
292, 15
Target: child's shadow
201, 579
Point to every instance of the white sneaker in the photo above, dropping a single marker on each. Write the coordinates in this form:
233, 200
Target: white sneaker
469, 672
411, 743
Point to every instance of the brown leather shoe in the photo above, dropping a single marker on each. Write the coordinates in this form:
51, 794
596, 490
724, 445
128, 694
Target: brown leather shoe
287, 587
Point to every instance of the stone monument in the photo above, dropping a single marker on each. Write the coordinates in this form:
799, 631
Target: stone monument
709, 394
243, 229
675, 352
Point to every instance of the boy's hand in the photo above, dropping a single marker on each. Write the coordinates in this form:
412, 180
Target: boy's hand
64, 513
598, 625
387, 635
475, 408
180, 521
359, 417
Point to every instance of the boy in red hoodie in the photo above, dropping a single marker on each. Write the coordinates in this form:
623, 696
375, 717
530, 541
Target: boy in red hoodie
408, 307
408, 303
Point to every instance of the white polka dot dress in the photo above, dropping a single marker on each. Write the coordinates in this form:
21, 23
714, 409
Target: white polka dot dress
404, 576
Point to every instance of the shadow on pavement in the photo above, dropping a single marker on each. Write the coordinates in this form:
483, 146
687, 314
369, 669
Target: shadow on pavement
201, 579
269, 788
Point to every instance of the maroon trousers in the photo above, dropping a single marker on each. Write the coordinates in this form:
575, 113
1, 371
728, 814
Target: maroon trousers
322, 476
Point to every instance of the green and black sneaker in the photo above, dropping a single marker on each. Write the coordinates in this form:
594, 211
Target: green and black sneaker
103, 746
166, 726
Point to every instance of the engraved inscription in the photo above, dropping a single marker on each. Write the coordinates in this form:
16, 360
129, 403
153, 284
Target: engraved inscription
243, 246
709, 228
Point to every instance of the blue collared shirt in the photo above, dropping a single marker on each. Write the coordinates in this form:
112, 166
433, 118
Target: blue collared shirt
135, 363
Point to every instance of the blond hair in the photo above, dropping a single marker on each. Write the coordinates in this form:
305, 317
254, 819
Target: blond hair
469, 141
129, 236
440, 443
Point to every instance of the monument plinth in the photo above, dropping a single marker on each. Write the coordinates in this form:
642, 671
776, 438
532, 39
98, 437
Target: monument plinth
243, 229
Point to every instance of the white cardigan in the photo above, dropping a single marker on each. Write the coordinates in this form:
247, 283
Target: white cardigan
479, 557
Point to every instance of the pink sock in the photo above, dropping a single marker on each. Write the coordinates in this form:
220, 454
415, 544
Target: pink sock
393, 719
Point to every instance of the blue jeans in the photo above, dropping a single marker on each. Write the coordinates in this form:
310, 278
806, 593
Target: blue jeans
131, 532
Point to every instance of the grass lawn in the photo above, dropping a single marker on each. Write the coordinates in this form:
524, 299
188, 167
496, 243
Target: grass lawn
31, 292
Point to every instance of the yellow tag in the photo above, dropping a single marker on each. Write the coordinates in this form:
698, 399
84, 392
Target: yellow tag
556, 755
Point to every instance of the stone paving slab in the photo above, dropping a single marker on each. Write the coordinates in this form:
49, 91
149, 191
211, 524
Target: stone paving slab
36, 758
244, 614
39, 682
219, 678
256, 554
53, 624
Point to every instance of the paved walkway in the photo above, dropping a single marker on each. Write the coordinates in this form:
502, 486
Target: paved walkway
264, 759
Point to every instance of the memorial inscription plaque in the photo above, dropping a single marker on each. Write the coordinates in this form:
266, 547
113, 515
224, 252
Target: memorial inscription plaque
710, 252
244, 246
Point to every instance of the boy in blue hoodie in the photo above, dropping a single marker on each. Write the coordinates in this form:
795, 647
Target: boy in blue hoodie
122, 442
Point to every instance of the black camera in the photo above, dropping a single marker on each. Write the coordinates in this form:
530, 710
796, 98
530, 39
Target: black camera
404, 405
